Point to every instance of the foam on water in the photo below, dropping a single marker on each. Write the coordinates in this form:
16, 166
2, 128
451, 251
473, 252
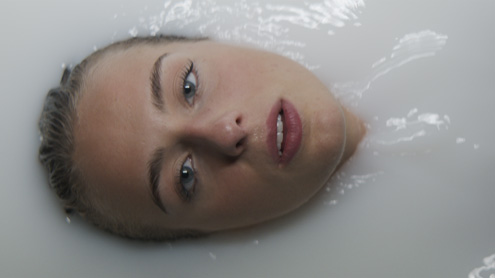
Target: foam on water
416, 200
485, 271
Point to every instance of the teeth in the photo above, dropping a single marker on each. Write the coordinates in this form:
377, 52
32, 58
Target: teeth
280, 134
280, 125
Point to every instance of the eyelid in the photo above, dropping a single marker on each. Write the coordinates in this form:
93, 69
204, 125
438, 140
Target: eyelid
189, 68
184, 195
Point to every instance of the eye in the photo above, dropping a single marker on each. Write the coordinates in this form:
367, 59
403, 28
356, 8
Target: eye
190, 84
186, 180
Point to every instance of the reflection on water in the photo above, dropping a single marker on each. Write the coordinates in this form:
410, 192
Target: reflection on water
405, 129
410, 47
258, 23
316, 15
341, 182
263, 18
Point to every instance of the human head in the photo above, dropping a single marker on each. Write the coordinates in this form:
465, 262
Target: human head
123, 128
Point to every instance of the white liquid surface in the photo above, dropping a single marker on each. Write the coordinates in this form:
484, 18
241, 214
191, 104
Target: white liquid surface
417, 200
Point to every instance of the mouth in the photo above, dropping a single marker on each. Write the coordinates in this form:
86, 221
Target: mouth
284, 132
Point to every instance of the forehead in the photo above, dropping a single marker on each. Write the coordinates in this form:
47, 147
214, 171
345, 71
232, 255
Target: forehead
109, 146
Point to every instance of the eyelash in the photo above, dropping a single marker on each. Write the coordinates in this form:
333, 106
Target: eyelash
186, 195
189, 69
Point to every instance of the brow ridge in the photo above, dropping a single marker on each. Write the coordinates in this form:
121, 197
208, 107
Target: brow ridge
154, 170
156, 85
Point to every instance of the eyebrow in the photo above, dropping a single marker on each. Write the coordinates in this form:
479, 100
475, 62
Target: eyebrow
156, 161
156, 85
154, 169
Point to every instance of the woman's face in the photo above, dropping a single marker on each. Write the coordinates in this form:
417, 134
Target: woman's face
184, 135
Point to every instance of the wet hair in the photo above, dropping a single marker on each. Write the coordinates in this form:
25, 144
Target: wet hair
56, 151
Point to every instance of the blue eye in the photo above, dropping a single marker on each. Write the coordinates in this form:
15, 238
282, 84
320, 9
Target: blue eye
187, 179
189, 86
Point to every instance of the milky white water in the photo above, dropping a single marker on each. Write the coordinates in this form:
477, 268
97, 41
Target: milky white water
417, 199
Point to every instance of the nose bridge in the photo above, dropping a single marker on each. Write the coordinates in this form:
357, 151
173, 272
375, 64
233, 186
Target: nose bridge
223, 132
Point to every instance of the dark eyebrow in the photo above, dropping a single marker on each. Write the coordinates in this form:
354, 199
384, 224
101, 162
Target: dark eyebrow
154, 170
156, 86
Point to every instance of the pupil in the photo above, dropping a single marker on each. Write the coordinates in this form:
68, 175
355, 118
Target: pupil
188, 88
185, 174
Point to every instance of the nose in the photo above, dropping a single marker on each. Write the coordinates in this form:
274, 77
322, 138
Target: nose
223, 133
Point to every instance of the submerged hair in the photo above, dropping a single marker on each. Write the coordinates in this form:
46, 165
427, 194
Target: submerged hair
56, 151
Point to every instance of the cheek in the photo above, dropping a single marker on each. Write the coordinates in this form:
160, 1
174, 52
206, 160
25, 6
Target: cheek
329, 128
245, 75
249, 196
237, 188
242, 197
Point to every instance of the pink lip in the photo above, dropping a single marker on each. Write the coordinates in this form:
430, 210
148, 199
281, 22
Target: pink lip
292, 132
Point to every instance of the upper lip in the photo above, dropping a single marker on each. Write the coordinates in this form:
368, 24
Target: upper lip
292, 132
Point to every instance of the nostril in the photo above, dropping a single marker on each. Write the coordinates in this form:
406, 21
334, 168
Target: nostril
238, 120
239, 144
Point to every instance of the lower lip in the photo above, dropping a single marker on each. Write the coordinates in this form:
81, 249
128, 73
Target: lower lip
292, 132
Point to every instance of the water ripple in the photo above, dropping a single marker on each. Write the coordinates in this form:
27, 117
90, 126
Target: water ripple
267, 25
409, 48
410, 127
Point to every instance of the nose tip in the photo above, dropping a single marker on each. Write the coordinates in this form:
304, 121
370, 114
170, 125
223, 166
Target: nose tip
230, 135
225, 134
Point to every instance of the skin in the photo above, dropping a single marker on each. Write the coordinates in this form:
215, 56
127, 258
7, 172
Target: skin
223, 131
